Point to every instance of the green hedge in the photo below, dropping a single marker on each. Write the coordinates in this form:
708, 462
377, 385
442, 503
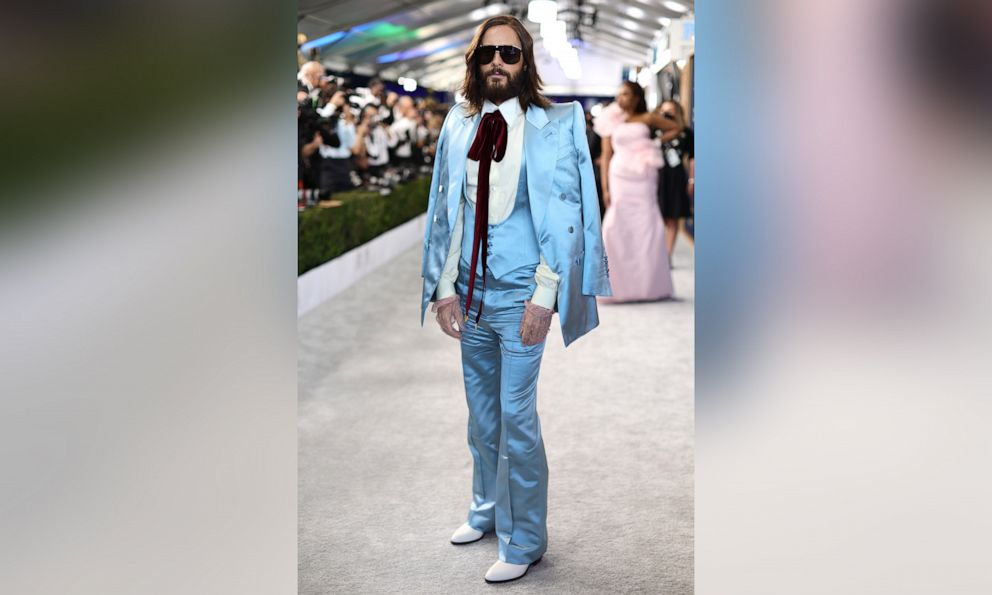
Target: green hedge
324, 234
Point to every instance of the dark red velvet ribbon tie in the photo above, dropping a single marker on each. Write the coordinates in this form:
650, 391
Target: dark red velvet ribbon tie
489, 145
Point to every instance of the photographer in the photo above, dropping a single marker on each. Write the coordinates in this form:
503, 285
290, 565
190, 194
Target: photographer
410, 133
434, 117
374, 141
309, 142
381, 100
339, 138
308, 80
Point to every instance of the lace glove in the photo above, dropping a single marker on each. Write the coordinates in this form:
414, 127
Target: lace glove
448, 316
535, 324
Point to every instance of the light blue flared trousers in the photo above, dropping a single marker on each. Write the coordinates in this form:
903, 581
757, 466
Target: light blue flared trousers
510, 470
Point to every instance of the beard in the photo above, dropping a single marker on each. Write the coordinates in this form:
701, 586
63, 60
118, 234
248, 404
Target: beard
499, 91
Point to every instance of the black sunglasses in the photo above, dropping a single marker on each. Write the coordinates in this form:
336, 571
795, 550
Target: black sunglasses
509, 54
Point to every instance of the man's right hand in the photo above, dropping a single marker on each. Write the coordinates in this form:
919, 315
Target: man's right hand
449, 316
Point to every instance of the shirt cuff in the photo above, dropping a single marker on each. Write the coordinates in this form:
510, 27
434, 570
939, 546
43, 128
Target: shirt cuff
445, 288
544, 297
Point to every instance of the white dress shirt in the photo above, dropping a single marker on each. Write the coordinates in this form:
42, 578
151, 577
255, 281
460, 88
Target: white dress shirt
377, 144
503, 180
405, 130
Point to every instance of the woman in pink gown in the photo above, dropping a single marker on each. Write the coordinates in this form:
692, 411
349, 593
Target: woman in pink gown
633, 231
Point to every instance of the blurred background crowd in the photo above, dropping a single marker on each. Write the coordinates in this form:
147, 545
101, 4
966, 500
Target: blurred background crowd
360, 135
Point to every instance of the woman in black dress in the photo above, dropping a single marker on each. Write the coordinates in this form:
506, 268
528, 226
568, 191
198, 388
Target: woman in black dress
674, 179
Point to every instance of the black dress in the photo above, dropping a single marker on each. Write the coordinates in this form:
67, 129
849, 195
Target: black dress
673, 197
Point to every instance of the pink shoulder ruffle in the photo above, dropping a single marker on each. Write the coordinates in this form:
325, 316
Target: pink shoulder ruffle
637, 157
608, 119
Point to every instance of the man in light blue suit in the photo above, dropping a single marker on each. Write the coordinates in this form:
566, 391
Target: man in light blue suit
513, 235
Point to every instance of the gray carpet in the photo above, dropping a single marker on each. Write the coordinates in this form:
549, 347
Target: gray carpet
385, 472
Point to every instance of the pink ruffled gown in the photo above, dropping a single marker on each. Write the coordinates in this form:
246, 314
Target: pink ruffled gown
633, 231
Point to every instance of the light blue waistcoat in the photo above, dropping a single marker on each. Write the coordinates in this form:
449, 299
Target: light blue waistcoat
512, 243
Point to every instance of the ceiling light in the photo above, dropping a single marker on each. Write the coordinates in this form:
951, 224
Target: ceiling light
542, 11
629, 24
676, 6
554, 30
559, 49
635, 12
322, 41
554, 45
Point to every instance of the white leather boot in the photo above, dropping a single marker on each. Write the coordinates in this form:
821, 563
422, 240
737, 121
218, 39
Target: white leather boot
502, 572
466, 534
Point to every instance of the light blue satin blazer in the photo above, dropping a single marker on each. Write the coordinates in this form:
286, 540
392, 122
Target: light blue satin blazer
563, 203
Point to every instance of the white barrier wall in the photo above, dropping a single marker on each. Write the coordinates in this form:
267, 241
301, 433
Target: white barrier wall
331, 278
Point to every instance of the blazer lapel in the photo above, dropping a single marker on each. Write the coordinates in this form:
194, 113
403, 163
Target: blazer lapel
540, 151
461, 141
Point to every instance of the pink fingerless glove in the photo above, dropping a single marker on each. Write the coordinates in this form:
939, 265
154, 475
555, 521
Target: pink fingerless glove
535, 324
444, 302
448, 316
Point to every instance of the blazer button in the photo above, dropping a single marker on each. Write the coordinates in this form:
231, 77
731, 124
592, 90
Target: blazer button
562, 197
570, 229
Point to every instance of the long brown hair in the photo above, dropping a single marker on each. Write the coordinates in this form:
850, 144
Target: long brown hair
679, 112
473, 85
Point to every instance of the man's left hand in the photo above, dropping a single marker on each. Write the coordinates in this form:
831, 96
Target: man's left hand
535, 324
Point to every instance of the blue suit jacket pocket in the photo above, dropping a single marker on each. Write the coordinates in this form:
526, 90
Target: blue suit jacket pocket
566, 181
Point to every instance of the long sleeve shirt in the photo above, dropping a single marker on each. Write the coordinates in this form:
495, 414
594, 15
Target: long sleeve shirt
377, 144
504, 177
405, 130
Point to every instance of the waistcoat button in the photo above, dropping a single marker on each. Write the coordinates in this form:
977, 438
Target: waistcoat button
570, 229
